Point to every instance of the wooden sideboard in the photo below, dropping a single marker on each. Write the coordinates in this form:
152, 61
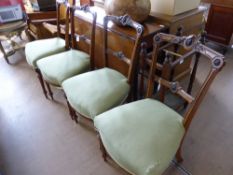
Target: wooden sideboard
121, 39
191, 22
219, 25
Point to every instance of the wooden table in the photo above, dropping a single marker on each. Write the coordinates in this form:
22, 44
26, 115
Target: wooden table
7, 32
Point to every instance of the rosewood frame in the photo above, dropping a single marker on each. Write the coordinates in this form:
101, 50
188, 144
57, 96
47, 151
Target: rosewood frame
124, 21
59, 3
191, 43
86, 39
217, 63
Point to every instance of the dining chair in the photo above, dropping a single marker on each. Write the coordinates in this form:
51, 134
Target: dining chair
38, 49
143, 137
95, 92
59, 67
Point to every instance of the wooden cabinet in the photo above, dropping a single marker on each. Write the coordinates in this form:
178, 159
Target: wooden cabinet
219, 25
35, 21
191, 22
121, 39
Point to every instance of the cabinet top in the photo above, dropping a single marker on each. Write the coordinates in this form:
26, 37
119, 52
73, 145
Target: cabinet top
151, 26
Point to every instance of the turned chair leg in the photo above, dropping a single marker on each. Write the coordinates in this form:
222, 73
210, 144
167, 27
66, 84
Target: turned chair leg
49, 89
102, 148
41, 82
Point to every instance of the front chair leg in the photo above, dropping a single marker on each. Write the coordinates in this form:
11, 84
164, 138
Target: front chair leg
41, 82
70, 109
102, 148
179, 157
49, 89
75, 116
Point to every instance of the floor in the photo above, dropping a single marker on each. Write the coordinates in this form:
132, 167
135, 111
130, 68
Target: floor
37, 137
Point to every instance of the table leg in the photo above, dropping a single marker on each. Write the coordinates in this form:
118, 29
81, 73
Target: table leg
4, 53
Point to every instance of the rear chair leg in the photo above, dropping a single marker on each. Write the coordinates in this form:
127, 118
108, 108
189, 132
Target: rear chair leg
41, 82
49, 89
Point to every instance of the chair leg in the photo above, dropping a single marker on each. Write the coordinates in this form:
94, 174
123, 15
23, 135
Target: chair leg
4, 53
49, 89
70, 110
179, 157
102, 148
75, 116
41, 82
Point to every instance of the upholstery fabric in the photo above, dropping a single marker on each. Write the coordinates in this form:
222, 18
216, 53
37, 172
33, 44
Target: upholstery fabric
59, 67
38, 49
95, 92
142, 137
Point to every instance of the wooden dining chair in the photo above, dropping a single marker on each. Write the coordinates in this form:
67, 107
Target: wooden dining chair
38, 49
143, 137
95, 92
59, 67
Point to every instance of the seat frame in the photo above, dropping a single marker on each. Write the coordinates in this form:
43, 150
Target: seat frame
196, 48
122, 21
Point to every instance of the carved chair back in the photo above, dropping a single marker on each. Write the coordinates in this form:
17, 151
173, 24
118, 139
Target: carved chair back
123, 21
196, 49
80, 35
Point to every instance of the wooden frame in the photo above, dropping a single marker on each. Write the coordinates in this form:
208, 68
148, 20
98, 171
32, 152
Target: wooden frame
190, 42
60, 3
131, 62
217, 63
123, 21
91, 41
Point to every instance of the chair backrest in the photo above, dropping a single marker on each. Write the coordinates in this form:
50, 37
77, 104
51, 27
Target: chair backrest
78, 14
63, 17
196, 49
124, 21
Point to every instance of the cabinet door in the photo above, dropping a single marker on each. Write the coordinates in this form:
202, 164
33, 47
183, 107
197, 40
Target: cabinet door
219, 25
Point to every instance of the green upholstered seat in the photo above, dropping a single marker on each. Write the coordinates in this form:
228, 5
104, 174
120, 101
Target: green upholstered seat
142, 137
59, 67
38, 49
95, 92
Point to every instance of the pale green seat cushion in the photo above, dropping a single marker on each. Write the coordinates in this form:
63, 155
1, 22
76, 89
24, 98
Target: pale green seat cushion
142, 137
95, 92
59, 67
38, 49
